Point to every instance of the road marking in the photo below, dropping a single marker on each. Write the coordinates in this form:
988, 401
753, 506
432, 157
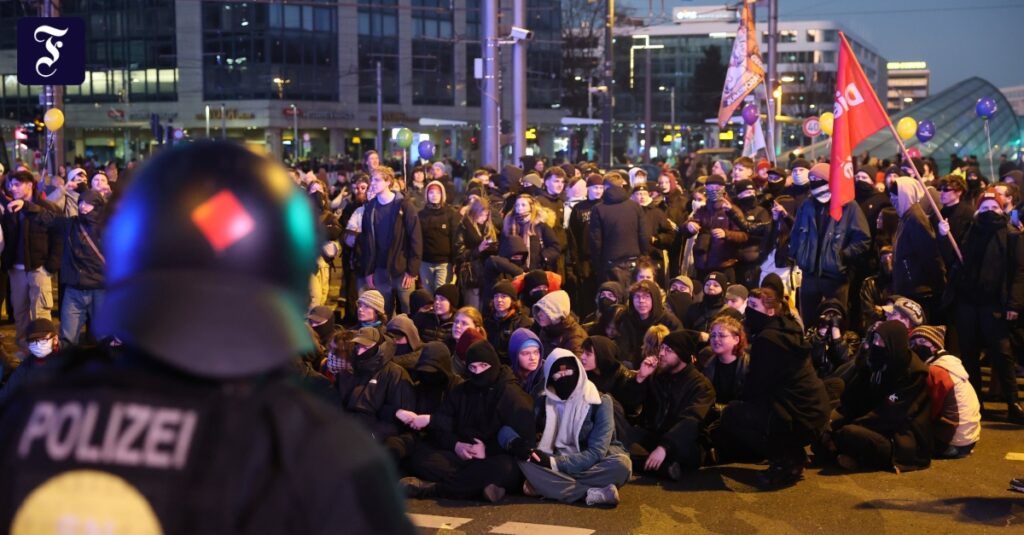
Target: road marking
521, 528
437, 522
1014, 456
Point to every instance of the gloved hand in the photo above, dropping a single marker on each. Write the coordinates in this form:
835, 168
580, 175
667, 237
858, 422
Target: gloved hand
519, 450
541, 459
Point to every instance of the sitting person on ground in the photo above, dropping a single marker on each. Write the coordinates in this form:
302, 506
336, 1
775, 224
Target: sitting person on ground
611, 296
676, 398
955, 409
436, 325
680, 296
601, 362
885, 408
505, 317
713, 304
577, 456
375, 388
432, 379
645, 309
370, 311
463, 457
43, 341
556, 325
832, 345
406, 340
524, 350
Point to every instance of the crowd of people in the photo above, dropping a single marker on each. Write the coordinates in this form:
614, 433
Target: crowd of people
551, 330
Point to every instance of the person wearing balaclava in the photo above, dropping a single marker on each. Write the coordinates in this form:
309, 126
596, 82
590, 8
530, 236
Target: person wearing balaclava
676, 398
465, 456
645, 309
772, 189
713, 303
823, 247
375, 388
799, 188
784, 405
609, 295
680, 296
885, 423
876, 290
759, 243
556, 325
577, 456
405, 338
956, 411
432, 379
82, 265
919, 272
718, 229
988, 295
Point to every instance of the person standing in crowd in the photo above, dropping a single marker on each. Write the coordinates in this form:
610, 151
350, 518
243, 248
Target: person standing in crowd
676, 401
618, 231
524, 221
33, 247
579, 251
440, 226
718, 235
799, 188
352, 218
479, 238
823, 247
918, 270
955, 207
391, 243
82, 266
988, 293
577, 456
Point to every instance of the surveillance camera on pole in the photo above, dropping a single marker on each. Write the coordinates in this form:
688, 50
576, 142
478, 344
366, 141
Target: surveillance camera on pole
520, 34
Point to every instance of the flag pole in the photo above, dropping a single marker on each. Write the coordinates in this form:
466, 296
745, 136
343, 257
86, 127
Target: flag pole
917, 175
769, 102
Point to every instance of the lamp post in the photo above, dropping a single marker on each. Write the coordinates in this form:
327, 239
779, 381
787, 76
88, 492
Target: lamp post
295, 134
646, 47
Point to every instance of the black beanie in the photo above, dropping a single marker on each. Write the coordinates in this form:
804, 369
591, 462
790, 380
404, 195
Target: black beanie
505, 287
449, 292
534, 279
683, 342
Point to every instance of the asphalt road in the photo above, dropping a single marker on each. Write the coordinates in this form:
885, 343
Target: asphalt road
965, 496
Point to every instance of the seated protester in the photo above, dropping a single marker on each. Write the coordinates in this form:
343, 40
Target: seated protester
609, 295
645, 309
466, 318
577, 457
463, 457
877, 289
43, 341
504, 318
321, 319
467, 338
736, 298
680, 296
534, 285
713, 303
436, 326
885, 408
432, 380
783, 406
955, 409
787, 298
420, 301
370, 311
727, 367
406, 340
524, 351
905, 311
375, 388
337, 359
832, 345
600, 360
556, 325
651, 346
675, 402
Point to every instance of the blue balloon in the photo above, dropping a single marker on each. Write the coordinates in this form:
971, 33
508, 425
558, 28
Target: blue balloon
426, 149
925, 131
986, 107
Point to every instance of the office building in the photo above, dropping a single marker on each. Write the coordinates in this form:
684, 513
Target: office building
908, 84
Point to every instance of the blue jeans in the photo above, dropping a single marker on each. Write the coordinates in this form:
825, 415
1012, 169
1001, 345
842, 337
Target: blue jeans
78, 308
388, 286
433, 276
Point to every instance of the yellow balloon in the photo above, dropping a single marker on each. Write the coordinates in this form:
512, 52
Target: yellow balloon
825, 121
54, 119
906, 128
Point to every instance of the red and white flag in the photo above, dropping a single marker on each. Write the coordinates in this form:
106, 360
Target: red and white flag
858, 114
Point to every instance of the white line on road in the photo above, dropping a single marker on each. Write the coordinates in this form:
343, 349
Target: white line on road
437, 522
521, 528
1014, 456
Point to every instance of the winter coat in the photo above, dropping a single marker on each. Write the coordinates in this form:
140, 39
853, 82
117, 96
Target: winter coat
663, 231
406, 250
742, 364
578, 252
473, 412
618, 228
992, 271
843, 240
471, 236
780, 375
374, 390
82, 267
35, 230
434, 329
499, 331
897, 406
632, 329
917, 266
960, 216
410, 351
568, 334
434, 357
956, 411
672, 403
709, 253
442, 241
609, 375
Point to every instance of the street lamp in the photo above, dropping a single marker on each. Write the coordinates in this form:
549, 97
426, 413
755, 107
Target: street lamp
280, 83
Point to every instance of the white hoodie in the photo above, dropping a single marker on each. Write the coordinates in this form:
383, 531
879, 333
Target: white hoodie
961, 404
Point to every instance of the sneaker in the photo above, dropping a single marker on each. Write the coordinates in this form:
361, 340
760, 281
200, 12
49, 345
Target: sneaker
779, 476
1016, 484
415, 487
603, 496
847, 462
528, 490
494, 493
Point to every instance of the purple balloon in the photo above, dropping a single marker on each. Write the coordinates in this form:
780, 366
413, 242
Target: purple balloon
925, 131
750, 114
986, 107
426, 149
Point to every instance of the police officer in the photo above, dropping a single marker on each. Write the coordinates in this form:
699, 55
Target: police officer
196, 426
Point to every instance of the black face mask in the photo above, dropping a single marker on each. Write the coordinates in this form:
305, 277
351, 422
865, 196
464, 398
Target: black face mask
747, 203
877, 358
991, 220
432, 379
774, 188
564, 386
754, 321
368, 361
922, 352
714, 301
323, 331
531, 299
605, 305
403, 349
485, 378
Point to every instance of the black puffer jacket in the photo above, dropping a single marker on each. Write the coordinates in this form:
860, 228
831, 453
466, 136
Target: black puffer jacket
34, 230
499, 331
672, 404
478, 412
374, 390
618, 228
890, 396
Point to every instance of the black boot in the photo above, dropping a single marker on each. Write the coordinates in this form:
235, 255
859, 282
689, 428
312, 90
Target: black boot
415, 487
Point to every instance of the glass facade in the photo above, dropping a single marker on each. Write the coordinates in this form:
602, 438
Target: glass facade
270, 51
378, 42
544, 54
433, 56
958, 130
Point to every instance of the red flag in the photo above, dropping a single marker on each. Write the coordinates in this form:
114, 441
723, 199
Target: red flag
858, 114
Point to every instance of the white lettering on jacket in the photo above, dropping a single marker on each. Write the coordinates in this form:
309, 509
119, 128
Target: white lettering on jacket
134, 435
